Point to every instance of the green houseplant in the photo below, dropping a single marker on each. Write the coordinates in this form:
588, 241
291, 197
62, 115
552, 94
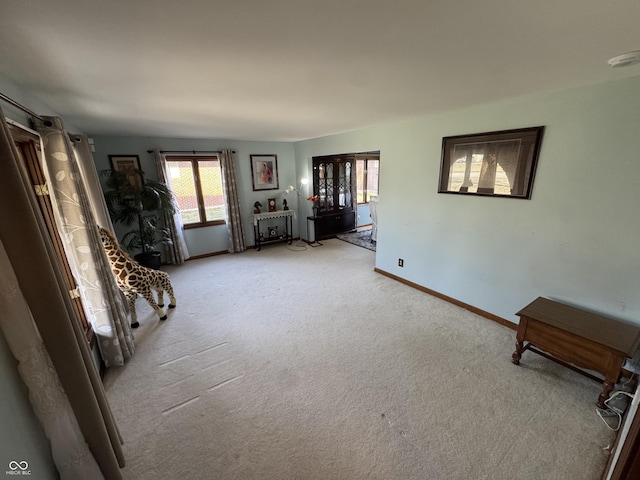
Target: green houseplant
140, 204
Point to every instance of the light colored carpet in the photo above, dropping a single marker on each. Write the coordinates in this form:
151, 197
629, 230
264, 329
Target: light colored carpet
294, 363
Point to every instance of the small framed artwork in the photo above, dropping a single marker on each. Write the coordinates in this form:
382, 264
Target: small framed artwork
271, 202
264, 172
129, 165
497, 164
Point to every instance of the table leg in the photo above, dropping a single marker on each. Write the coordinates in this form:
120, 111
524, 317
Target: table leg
522, 328
256, 235
607, 387
611, 377
517, 355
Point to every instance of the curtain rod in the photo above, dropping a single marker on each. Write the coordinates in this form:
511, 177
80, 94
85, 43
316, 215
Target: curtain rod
19, 105
188, 151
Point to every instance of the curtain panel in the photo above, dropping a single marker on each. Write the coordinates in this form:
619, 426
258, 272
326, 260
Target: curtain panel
37, 289
100, 294
93, 188
178, 252
230, 187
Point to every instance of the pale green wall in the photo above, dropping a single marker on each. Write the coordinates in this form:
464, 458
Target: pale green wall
202, 241
576, 240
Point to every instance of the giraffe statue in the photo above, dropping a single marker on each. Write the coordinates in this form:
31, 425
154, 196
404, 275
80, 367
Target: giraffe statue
134, 279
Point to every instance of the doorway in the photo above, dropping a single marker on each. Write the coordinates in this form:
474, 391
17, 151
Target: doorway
367, 187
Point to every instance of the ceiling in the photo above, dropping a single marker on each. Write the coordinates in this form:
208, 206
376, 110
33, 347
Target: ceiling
287, 70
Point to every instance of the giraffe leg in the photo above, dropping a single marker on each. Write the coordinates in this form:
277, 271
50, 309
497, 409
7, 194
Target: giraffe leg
160, 297
148, 296
131, 300
169, 289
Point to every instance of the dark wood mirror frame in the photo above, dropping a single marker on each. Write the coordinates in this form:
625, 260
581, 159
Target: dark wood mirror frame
496, 164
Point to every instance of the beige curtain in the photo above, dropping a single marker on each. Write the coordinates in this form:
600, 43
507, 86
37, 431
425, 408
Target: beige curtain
234, 220
87, 166
101, 297
36, 275
178, 252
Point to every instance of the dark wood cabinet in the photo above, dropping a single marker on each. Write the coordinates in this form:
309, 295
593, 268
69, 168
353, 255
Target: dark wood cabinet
329, 225
334, 181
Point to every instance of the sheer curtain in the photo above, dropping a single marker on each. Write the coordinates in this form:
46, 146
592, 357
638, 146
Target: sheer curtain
234, 220
178, 252
101, 296
87, 166
44, 334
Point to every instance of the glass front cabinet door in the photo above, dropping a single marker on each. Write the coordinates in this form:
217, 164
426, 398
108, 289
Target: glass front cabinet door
334, 183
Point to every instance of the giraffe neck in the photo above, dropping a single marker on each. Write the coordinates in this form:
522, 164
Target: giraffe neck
113, 251
117, 257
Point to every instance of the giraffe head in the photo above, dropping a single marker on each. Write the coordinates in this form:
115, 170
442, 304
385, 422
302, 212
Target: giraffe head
107, 238
111, 245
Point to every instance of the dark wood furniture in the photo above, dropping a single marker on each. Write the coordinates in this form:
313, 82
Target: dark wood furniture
576, 337
334, 181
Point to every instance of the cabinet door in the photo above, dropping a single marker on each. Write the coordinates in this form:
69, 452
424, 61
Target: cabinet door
333, 182
323, 186
344, 181
329, 225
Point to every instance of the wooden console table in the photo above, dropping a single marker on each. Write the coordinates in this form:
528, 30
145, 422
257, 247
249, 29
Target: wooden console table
584, 339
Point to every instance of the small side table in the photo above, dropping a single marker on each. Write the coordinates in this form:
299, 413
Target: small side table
288, 227
576, 337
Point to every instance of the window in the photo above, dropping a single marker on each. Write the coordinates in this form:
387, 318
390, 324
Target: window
367, 167
197, 185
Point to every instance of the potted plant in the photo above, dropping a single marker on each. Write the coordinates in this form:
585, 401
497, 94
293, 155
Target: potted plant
141, 205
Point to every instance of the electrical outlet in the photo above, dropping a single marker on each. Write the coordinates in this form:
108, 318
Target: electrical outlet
400, 262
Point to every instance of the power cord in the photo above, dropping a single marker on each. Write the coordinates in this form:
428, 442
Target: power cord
301, 246
296, 248
610, 411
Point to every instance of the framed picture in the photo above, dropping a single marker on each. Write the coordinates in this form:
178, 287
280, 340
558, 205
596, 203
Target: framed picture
264, 172
497, 164
130, 166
